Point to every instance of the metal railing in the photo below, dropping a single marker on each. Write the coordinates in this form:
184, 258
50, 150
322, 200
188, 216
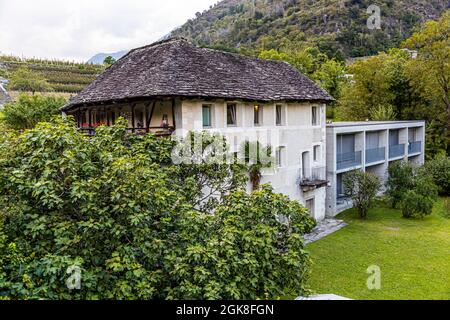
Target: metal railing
415, 147
396, 151
158, 131
349, 160
375, 155
317, 174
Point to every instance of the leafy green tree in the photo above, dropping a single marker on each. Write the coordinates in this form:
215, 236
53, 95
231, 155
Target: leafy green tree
109, 61
28, 110
400, 180
331, 77
23, 79
430, 72
419, 201
362, 188
383, 113
306, 60
439, 171
115, 208
379, 81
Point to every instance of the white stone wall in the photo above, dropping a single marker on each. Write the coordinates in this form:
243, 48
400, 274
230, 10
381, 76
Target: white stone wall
296, 136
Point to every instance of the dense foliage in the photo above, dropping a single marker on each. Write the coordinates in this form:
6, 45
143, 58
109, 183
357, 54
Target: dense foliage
115, 208
397, 85
419, 201
439, 170
400, 180
414, 189
338, 28
362, 188
28, 110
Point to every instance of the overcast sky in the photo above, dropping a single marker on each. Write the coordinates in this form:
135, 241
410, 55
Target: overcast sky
78, 29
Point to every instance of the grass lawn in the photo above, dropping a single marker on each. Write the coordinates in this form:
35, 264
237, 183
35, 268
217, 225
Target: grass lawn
414, 256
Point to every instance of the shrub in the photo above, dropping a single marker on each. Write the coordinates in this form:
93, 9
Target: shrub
399, 182
362, 188
419, 201
439, 171
29, 110
115, 207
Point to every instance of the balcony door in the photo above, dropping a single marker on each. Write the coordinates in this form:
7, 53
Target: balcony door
394, 137
345, 144
372, 140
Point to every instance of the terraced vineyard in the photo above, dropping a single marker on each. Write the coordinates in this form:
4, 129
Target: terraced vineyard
63, 76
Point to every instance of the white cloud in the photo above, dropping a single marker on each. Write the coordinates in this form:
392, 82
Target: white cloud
77, 30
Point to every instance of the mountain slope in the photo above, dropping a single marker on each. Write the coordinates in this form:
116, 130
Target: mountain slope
338, 27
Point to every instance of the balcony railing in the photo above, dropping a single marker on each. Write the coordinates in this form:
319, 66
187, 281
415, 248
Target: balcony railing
314, 180
375, 155
349, 160
415, 147
396, 151
158, 131
317, 174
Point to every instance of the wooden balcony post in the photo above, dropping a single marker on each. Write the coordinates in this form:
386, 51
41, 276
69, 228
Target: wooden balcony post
173, 114
133, 120
149, 119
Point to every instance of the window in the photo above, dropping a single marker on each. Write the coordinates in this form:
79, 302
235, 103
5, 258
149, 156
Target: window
310, 205
231, 115
207, 116
346, 144
280, 156
257, 111
280, 115
316, 154
394, 137
372, 140
315, 116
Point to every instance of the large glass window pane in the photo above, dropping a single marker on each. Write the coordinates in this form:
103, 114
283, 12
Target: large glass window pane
206, 116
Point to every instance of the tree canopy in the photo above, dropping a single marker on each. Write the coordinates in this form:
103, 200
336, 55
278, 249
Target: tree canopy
115, 209
28, 110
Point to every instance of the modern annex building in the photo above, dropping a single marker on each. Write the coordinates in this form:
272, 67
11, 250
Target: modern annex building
173, 87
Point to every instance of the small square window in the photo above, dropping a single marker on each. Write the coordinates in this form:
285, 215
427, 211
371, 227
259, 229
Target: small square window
207, 116
231, 115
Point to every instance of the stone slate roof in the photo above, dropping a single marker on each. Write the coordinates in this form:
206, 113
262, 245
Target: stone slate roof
177, 68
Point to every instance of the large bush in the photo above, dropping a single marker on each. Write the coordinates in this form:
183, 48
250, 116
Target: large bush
115, 208
419, 201
439, 171
30, 110
362, 188
400, 180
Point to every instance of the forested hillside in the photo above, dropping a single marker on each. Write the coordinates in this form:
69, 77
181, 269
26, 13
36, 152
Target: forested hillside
338, 27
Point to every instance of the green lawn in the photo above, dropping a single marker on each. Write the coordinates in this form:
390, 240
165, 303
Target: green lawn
414, 256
